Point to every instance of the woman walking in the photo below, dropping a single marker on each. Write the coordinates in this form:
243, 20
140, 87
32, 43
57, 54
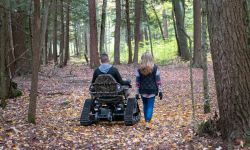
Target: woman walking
148, 85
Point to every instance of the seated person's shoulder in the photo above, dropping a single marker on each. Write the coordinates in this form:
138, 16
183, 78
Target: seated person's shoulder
113, 69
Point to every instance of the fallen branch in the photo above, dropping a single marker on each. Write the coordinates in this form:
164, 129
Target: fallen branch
56, 93
17, 58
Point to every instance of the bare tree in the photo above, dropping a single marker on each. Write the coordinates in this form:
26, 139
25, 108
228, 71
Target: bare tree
231, 62
55, 33
4, 47
103, 24
94, 61
204, 47
197, 57
66, 52
62, 42
128, 32
44, 29
138, 7
35, 58
179, 11
165, 23
117, 32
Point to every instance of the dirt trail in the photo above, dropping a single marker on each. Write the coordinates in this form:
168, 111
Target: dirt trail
61, 96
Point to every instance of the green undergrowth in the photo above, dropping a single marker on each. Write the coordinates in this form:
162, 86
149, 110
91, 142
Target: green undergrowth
164, 51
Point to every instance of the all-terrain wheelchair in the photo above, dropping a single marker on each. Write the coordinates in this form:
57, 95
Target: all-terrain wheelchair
109, 101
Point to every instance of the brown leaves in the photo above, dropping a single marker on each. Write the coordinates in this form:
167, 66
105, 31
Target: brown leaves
58, 114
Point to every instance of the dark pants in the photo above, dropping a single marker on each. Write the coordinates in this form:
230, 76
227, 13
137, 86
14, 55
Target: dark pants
148, 107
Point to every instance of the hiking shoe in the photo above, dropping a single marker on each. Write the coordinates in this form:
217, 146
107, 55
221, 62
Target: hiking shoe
148, 125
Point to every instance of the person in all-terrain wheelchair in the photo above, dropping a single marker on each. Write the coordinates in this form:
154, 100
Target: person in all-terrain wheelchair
107, 68
109, 97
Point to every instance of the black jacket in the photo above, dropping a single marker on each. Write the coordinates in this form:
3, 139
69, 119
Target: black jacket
148, 83
112, 71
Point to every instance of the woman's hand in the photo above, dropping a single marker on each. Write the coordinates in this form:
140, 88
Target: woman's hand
137, 96
160, 95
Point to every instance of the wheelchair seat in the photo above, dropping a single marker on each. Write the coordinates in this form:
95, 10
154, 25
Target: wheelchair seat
105, 86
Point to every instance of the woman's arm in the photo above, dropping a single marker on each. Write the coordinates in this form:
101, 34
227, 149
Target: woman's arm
138, 81
158, 80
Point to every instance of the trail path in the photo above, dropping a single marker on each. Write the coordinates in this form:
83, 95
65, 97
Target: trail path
61, 96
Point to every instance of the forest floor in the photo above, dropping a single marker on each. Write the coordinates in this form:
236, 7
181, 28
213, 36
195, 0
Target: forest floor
62, 92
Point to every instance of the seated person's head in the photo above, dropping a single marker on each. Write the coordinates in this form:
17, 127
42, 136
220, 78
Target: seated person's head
104, 58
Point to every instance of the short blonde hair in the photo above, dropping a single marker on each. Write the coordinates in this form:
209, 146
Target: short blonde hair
147, 63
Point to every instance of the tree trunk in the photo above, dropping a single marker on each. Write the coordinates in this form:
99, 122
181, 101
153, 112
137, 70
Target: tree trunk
94, 61
138, 7
149, 30
146, 33
55, 33
86, 47
175, 31
4, 47
12, 49
48, 37
46, 44
231, 62
204, 48
158, 21
129, 33
165, 23
62, 43
76, 40
117, 32
18, 26
44, 29
35, 65
66, 55
179, 12
50, 55
197, 57
30, 26
103, 25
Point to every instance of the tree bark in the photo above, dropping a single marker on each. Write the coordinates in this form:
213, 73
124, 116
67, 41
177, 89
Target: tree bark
117, 32
197, 57
62, 42
55, 34
179, 12
149, 30
12, 49
66, 55
175, 31
36, 62
86, 47
18, 27
158, 21
138, 7
231, 62
50, 55
130, 56
146, 33
76, 40
44, 29
204, 48
4, 47
103, 25
46, 44
165, 23
94, 61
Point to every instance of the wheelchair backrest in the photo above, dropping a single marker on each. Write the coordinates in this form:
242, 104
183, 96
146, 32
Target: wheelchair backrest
105, 84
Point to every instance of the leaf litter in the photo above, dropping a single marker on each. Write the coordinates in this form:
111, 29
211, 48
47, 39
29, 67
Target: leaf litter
61, 95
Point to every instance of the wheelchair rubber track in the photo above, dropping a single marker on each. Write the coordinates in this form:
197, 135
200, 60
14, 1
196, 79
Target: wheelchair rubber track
85, 119
130, 117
